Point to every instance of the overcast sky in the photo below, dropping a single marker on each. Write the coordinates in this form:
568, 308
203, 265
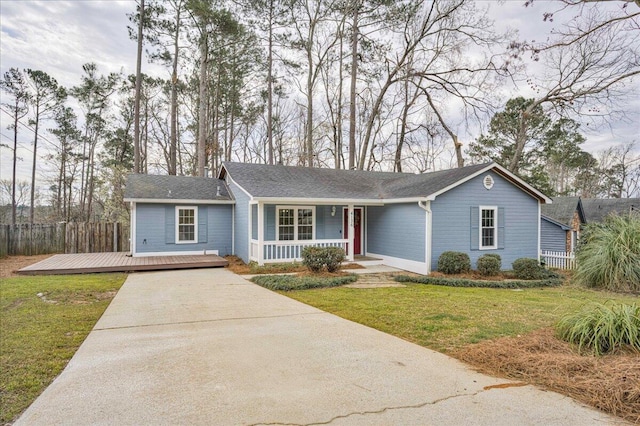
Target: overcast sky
58, 37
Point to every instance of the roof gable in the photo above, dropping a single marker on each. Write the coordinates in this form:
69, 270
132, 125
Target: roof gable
562, 209
159, 188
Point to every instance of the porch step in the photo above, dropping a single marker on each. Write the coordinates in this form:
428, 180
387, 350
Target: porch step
375, 281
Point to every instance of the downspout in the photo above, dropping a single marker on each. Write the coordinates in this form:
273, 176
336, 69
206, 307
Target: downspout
427, 208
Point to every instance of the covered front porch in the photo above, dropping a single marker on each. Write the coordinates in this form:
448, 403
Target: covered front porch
280, 231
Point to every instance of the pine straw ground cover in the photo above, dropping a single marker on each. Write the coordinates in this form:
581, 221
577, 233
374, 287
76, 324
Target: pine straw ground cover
610, 383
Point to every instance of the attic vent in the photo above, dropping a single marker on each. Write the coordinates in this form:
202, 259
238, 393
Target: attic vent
487, 182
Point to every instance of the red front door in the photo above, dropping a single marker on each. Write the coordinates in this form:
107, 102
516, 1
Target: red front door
357, 226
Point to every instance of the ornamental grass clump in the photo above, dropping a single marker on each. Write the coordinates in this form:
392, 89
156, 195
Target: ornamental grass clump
609, 254
600, 328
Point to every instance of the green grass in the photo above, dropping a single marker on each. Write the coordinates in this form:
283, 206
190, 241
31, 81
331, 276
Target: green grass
446, 318
39, 335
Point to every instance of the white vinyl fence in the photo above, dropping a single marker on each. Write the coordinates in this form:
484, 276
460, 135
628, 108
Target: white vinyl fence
559, 259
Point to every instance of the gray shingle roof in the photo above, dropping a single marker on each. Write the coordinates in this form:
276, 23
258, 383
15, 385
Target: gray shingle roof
264, 181
596, 209
163, 187
561, 210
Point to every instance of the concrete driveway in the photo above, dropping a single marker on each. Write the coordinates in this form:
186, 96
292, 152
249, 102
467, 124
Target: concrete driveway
208, 347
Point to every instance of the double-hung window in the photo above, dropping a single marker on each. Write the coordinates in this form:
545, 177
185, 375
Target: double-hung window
295, 223
488, 227
186, 225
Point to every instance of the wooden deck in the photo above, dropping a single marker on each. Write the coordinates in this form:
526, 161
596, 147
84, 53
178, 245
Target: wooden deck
85, 263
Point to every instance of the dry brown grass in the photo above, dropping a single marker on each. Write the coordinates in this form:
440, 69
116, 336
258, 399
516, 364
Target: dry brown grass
610, 383
9, 265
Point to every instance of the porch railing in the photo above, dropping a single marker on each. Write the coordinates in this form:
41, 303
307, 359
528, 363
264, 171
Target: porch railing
559, 259
288, 251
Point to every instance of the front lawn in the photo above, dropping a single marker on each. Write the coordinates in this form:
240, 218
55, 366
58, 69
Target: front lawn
43, 321
447, 318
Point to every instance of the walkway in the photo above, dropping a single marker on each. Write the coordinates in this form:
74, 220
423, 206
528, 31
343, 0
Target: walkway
208, 347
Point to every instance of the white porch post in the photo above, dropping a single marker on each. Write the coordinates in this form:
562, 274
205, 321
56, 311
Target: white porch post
260, 233
352, 231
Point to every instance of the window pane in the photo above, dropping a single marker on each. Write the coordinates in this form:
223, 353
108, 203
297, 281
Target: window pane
286, 224
305, 232
488, 226
186, 224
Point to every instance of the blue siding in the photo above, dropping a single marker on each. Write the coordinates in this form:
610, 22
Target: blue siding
397, 230
552, 236
241, 222
214, 229
452, 222
327, 227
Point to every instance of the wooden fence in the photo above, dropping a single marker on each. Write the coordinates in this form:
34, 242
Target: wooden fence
81, 237
559, 259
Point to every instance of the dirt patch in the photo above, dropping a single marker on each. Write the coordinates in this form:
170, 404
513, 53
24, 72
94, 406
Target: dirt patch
610, 383
9, 265
237, 265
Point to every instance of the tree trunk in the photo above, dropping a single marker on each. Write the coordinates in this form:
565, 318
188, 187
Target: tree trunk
33, 169
173, 145
136, 113
15, 162
270, 85
352, 89
309, 130
202, 109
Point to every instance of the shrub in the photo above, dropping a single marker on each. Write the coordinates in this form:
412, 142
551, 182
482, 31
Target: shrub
609, 254
313, 258
528, 269
489, 264
333, 258
600, 328
290, 282
456, 282
454, 262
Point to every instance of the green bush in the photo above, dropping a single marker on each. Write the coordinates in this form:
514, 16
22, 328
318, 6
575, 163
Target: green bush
316, 258
489, 264
333, 258
609, 254
290, 282
455, 282
600, 329
528, 269
454, 262
313, 258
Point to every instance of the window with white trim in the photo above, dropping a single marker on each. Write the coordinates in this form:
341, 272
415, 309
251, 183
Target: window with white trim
186, 225
488, 227
295, 223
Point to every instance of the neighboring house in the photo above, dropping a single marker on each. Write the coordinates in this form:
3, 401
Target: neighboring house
597, 209
560, 224
562, 220
269, 214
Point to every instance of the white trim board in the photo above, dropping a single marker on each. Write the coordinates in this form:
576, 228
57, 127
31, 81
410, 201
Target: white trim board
404, 264
177, 253
177, 201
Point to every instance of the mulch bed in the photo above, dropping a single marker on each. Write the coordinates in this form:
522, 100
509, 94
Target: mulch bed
610, 383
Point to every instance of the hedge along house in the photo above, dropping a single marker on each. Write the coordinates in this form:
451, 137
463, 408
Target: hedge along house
404, 220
